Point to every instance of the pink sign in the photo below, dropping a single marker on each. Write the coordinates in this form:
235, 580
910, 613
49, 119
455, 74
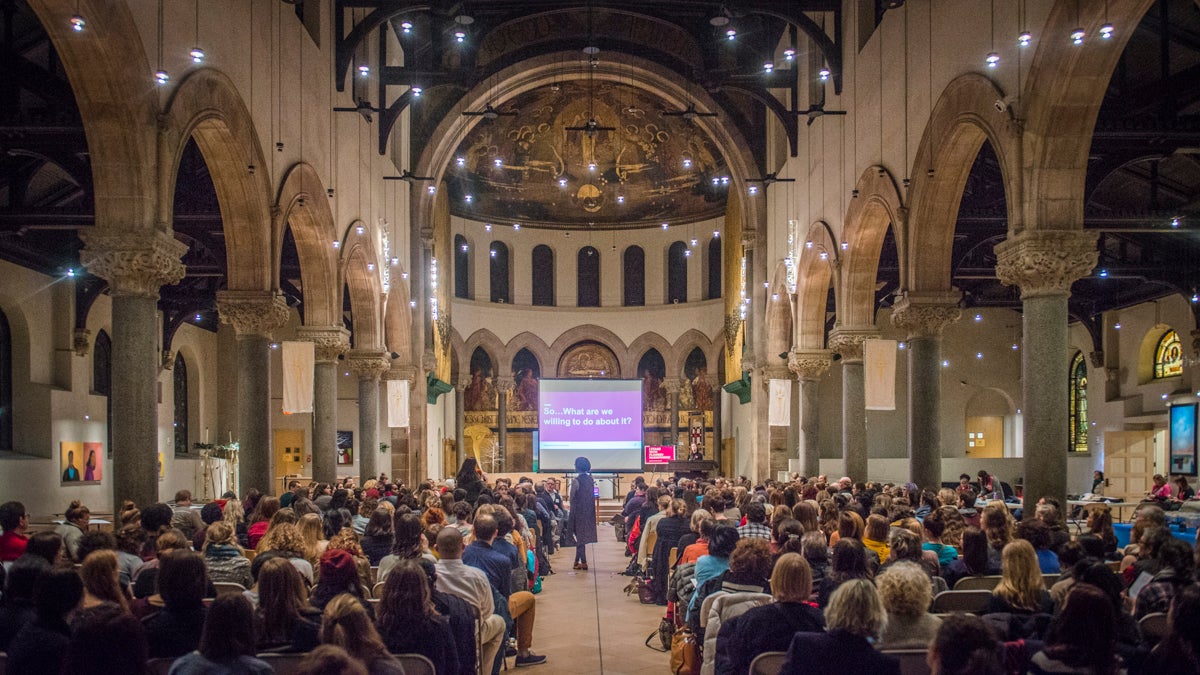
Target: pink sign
660, 454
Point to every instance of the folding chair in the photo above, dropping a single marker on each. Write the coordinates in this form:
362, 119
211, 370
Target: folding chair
912, 661
414, 664
971, 602
228, 588
1154, 627
981, 583
767, 663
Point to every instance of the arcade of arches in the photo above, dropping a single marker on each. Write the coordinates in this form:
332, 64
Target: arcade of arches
451, 202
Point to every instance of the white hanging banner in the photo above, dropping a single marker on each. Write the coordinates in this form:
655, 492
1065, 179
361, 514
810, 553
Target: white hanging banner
879, 374
397, 403
779, 412
298, 361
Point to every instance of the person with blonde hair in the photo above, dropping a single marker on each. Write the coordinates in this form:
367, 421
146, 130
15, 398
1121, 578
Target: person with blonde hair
854, 618
285, 540
345, 624
770, 627
101, 580
312, 530
701, 524
1021, 589
235, 516
906, 594
225, 560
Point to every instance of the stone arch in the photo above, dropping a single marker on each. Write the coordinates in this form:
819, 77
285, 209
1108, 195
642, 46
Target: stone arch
1060, 104
868, 217
206, 106
487, 340
118, 102
814, 275
303, 205
964, 116
593, 333
1147, 349
779, 317
534, 344
397, 322
360, 270
694, 339
461, 359
647, 341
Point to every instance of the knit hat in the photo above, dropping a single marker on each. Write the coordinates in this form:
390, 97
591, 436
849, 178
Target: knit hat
211, 513
338, 568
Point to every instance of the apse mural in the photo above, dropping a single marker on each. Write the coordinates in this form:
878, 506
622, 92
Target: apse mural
526, 373
480, 394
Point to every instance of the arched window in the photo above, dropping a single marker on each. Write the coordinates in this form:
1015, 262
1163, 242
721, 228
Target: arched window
179, 373
102, 379
1078, 400
542, 269
634, 277
677, 273
6, 385
714, 269
462, 267
1168, 356
588, 277
500, 272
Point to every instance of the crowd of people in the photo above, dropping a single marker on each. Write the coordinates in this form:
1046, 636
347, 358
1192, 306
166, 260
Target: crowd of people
838, 572
350, 575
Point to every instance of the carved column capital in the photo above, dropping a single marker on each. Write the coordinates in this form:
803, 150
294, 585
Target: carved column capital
848, 343
401, 372
82, 341
330, 341
672, 385
925, 316
134, 264
1046, 262
504, 384
367, 364
810, 364
252, 312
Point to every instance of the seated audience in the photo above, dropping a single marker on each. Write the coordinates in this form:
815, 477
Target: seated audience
702, 524
1021, 589
461, 617
377, 536
974, 562
77, 519
15, 523
1038, 534
853, 619
756, 517
471, 585
286, 622
47, 545
1176, 570
102, 581
284, 540
408, 543
226, 643
1179, 652
39, 646
1082, 638
338, 576
770, 628
964, 645
933, 527
174, 630
106, 640
849, 561
906, 595
146, 576
875, 537
224, 558
721, 543
483, 554
670, 529
260, 520
129, 542
345, 624
408, 622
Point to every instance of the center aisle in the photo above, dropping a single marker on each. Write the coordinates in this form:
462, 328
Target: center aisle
565, 629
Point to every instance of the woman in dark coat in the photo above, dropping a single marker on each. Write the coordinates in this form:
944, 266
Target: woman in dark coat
468, 479
582, 519
670, 529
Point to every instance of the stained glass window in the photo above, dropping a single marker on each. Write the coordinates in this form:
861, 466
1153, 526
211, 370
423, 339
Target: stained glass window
1078, 399
181, 406
1168, 356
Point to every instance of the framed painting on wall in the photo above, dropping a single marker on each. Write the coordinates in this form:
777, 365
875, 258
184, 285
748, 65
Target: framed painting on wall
1183, 439
345, 448
81, 463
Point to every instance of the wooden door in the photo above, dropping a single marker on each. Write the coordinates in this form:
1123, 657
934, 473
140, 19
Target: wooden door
291, 457
1128, 463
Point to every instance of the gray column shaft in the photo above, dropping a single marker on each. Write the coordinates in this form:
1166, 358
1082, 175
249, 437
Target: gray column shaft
854, 422
924, 420
368, 429
460, 440
324, 444
1044, 387
502, 424
673, 424
254, 415
134, 422
810, 426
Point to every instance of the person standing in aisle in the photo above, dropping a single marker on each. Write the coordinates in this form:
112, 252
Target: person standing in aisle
582, 518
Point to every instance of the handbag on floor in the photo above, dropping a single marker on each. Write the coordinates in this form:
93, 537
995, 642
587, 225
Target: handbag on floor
664, 633
685, 653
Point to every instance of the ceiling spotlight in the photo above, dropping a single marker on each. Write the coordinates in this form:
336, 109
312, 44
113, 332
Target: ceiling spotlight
359, 229
487, 227
162, 77
1103, 274
412, 303
1015, 346
77, 23
396, 261
197, 55
337, 244
823, 255
716, 181
769, 66
687, 252
459, 36
945, 364
845, 245
789, 54
404, 275
724, 180
1077, 36
766, 284
1107, 31
431, 189
416, 91
70, 271
902, 345
808, 244
716, 234
493, 253
666, 225
1117, 326
1175, 221
824, 74
687, 162
199, 318
370, 267
694, 242
993, 60
562, 182
1024, 38
591, 166
406, 26
731, 34
364, 70
753, 189
978, 318
498, 162
516, 227
620, 199
468, 198
460, 161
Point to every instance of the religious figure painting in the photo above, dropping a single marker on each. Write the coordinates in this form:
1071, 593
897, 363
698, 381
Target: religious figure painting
81, 463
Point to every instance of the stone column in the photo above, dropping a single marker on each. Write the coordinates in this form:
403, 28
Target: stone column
849, 345
809, 367
672, 385
504, 385
368, 365
330, 342
460, 421
135, 265
253, 315
1044, 264
924, 316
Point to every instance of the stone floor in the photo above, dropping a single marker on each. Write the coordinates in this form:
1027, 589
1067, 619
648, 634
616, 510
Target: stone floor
567, 630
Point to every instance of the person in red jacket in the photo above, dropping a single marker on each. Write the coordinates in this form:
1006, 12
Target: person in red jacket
15, 522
